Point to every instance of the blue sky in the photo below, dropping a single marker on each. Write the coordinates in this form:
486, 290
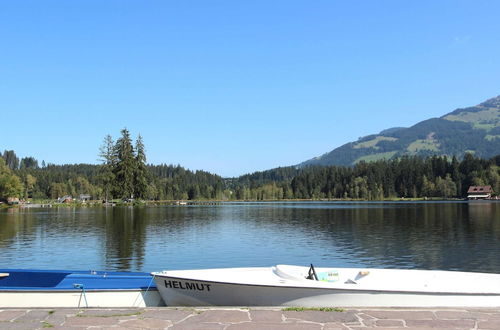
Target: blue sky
233, 87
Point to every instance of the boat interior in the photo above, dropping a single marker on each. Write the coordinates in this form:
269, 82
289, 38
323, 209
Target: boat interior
23, 279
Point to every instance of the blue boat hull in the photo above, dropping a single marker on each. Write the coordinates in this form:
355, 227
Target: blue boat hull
63, 288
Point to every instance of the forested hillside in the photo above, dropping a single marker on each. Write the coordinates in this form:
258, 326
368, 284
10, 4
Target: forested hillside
409, 176
124, 174
473, 130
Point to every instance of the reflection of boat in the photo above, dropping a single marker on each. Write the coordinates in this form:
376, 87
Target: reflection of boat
340, 287
49, 288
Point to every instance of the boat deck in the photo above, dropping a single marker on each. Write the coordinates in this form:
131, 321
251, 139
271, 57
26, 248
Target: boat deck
351, 279
54, 280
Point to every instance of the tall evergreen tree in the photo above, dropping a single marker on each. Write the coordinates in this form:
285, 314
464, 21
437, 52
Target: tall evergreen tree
141, 171
125, 167
29, 162
11, 159
108, 160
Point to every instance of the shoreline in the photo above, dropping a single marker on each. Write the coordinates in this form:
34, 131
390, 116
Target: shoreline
50, 204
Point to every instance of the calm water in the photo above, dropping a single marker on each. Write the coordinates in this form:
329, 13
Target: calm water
453, 236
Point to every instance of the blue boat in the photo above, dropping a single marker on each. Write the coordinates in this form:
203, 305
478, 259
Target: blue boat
65, 288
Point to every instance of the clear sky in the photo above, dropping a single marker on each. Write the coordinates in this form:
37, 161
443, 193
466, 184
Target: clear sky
233, 87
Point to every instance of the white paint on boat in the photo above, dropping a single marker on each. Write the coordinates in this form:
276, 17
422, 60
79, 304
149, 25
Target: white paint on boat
75, 299
347, 287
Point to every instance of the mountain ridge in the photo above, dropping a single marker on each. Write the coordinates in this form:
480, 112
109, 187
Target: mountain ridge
473, 129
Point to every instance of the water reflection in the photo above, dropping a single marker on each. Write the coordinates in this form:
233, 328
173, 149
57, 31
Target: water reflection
459, 236
124, 236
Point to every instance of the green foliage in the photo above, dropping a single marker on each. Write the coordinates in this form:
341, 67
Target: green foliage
10, 184
141, 171
58, 190
47, 324
28, 162
373, 142
480, 117
11, 159
107, 158
29, 182
420, 145
407, 176
175, 182
321, 309
375, 157
125, 166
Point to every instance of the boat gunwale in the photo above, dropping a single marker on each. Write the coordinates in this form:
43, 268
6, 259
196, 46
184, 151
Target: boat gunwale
357, 290
56, 290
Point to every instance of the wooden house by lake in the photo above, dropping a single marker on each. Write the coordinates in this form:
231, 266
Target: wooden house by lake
65, 199
479, 192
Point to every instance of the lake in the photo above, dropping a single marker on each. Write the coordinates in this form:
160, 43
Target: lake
417, 235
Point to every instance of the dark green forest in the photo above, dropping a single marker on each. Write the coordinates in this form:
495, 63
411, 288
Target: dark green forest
124, 174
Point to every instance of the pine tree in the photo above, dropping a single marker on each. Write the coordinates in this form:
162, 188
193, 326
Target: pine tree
107, 157
124, 168
11, 159
141, 171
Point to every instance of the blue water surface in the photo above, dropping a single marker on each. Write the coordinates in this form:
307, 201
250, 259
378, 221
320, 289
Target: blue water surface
416, 235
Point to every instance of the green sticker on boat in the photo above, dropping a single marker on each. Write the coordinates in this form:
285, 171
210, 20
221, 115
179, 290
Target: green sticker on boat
331, 276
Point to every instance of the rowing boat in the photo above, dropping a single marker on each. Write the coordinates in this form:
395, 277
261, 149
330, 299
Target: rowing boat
60, 288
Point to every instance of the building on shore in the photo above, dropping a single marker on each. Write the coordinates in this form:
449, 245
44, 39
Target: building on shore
65, 199
13, 201
479, 192
84, 198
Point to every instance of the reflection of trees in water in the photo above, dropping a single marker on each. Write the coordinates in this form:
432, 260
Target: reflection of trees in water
126, 231
407, 235
125, 237
16, 225
485, 218
430, 236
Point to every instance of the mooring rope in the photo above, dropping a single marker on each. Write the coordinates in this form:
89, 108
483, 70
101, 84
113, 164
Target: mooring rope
82, 287
146, 294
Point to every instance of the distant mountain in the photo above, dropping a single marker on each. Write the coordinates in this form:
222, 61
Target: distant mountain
475, 130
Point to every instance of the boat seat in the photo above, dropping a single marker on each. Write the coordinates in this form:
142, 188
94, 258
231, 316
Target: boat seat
359, 276
4, 275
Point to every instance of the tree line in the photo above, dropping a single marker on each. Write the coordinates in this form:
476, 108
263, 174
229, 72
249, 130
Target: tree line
405, 177
124, 174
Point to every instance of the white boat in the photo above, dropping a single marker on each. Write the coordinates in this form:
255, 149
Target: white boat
21, 288
285, 285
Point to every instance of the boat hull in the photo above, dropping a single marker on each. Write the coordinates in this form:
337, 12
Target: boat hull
75, 299
177, 290
20, 288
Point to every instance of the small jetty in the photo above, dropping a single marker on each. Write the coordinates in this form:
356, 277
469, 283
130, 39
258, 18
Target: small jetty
29, 205
184, 203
